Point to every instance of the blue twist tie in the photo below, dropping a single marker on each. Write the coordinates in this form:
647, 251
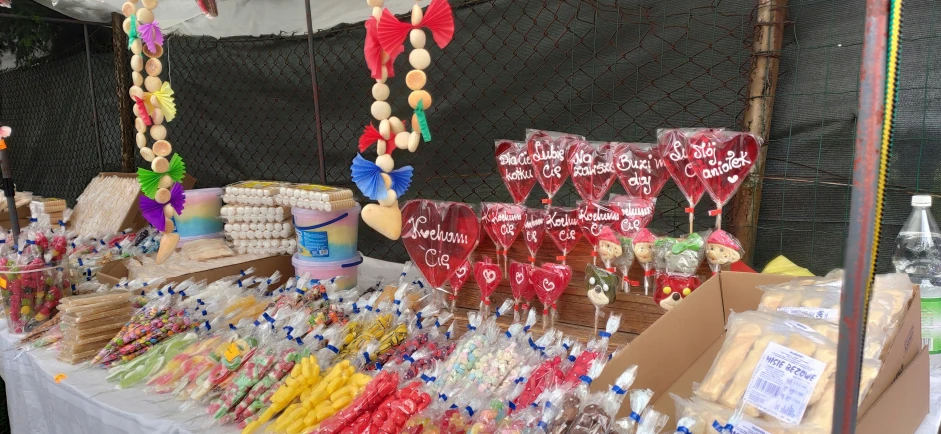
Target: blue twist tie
408, 358
257, 323
318, 337
242, 272
548, 404
333, 348
618, 390
610, 356
519, 380
366, 356
718, 427
208, 327
542, 424
396, 302
447, 335
418, 323
437, 323
453, 406
470, 411
428, 379
204, 312
81, 263
508, 334
497, 313
240, 283
585, 379
512, 405
182, 293
443, 397
159, 292
420, 284
299, 341
170, 290
604, 334
325, 296
267, 317
526, 328
379, 366
635, 416
232, 327
533, 344
683, 430
566, 346
572, 358
471, 328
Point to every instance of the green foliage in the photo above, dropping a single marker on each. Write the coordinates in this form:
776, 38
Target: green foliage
27, 39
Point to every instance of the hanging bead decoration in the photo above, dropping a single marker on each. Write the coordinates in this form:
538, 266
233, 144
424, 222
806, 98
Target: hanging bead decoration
385, 40
163, 195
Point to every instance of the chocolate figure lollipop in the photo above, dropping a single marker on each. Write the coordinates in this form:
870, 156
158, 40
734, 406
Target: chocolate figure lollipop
601, 288
643, 250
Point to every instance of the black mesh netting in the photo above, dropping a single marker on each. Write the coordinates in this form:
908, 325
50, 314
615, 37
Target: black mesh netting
599, 68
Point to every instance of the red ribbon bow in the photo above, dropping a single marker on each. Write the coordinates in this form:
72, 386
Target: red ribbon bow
373, 52
371, 135
438, 18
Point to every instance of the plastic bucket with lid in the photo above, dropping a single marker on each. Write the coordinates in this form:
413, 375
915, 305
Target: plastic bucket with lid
344, 272
326, 236
201, 215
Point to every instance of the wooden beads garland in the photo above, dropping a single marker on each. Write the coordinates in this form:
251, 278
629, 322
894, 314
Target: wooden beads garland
146, 81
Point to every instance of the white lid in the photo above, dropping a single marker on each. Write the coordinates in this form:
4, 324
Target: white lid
921, 200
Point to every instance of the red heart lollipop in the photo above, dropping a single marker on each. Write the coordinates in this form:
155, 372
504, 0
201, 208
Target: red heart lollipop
549, 152
459, 278
562, 226
595, 216
488, 276
516, 169
640, 169
505, 221
520, 274
722, 160
439, 236
672, 146
550, 282
534, 229
488, 213
592, 169
636, 213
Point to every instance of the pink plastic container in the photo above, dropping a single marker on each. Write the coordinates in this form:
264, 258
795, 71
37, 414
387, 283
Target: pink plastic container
344, 272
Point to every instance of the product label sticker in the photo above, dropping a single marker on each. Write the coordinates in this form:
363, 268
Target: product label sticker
783, 382
797, 325
232, 352
829, 315
930, 324
314, 244
315, 187
744, 427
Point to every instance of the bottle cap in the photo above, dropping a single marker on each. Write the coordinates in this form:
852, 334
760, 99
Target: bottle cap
921, 200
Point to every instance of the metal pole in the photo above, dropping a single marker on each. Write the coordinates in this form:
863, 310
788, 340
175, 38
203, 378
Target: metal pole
858, 258
313, 79
94, 104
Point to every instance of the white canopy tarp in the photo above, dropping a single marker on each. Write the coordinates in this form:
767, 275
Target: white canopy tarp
236, 17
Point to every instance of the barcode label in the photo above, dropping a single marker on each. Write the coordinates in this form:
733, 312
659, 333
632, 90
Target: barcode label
928, 342
783, 382
768, 387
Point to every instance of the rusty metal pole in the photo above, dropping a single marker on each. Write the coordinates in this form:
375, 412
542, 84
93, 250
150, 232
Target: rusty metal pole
91, 93
858, 257
313, 79
122, 79
762, 83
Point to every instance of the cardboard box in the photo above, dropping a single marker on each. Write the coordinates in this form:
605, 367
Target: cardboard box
113, 272
679, 349
133, 219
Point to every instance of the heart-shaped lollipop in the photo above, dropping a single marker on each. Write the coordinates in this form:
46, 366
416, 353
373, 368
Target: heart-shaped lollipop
550, 282
593, 217
640, 169
516, 169
672, 145
534, 229
439, 236
562, 226
636, 213
591, 167
457, 281
722, 160
520, 284
488, 276
549, 152
506, 223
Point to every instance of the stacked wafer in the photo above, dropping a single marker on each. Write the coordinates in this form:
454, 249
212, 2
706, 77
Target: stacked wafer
89, 322
315, 197
254, 222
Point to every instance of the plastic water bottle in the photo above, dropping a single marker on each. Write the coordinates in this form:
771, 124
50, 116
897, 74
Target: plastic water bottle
918, 253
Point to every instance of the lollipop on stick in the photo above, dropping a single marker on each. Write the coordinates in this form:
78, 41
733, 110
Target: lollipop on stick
534, 229
439, 237
625, 261
640, 169
562, 226
516, 169
520, 285
550, 282
601, 287
722, 249
488, 277
591, 165
672, 144
722, 160
457, 281
635, 214
593, 218
503, 222
549, 153
642, 245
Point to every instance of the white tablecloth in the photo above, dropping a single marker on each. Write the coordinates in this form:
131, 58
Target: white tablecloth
84, 402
